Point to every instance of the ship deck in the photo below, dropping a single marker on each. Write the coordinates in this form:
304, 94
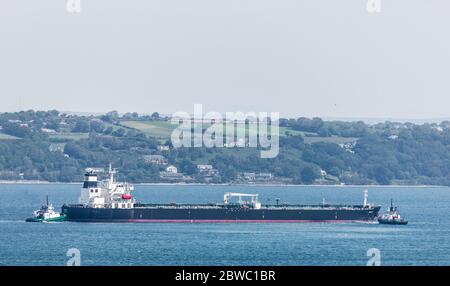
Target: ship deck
235, 206
271, 207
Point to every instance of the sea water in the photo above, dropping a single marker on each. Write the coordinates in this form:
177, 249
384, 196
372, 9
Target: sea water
424, 241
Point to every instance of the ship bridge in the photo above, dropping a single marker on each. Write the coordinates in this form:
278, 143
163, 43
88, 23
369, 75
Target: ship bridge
107, 193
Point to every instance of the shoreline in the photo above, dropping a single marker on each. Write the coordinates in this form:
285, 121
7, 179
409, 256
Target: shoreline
24, 182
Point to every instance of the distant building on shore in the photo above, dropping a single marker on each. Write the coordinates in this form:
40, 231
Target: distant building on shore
257, 177
48, 131
206, 173
155, 159
56, 147
171, 174
163, 148
172, 169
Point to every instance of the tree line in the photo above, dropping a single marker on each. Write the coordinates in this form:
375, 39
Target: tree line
383, 153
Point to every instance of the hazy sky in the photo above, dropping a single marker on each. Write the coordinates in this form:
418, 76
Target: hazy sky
301, 58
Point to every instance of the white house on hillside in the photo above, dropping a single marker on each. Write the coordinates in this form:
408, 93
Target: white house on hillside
172, 169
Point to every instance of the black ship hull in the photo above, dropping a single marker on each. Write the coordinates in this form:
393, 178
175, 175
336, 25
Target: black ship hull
220, 214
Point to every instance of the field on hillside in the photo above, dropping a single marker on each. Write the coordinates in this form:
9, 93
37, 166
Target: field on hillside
163, 130
156, 129
69, 136
4, 136
332, 139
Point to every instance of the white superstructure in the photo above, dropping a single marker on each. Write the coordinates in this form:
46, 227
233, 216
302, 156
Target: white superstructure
254, 202
46, 212
105, 194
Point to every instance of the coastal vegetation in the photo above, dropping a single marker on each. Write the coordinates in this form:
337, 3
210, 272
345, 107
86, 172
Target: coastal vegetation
54, 146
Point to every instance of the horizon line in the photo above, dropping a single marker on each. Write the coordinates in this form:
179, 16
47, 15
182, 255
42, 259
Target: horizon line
370, 119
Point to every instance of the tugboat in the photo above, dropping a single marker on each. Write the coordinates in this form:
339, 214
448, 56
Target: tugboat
392, 217
46, 214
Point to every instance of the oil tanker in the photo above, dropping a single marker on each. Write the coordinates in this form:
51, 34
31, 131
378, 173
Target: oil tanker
112, 201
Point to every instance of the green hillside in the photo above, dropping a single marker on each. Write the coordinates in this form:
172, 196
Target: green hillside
163, 130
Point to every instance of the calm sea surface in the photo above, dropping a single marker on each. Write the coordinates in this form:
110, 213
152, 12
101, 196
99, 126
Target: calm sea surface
425, 241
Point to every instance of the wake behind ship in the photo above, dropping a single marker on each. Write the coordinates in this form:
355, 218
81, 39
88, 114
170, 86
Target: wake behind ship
112, 201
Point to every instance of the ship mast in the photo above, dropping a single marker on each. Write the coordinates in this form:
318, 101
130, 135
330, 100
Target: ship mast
366, 196
111, 174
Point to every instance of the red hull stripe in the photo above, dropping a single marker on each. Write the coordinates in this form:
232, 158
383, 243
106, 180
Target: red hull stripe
239, 221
